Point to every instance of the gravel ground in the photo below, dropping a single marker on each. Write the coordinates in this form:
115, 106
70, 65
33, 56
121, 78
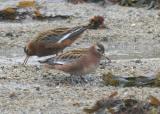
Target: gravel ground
131, 35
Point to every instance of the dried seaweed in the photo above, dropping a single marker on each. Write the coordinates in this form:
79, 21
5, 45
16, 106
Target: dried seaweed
116, 105
25, 9
135, 3
141, 3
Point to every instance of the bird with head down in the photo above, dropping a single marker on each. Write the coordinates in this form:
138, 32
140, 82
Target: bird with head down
56, 40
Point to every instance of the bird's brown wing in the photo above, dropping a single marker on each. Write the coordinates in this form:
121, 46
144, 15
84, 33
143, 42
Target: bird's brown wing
75, 51
65, 38
51, 35
67, 57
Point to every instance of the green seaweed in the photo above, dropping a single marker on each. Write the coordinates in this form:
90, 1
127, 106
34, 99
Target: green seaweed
110, 79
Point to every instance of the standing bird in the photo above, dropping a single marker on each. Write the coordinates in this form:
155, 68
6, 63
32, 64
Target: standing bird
56, 40
77, 62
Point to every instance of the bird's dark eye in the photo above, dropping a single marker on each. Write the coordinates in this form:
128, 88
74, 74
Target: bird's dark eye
99, 50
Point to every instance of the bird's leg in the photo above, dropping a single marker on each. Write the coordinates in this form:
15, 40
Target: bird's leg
108, 59
72, 80
25, 60
105, 57
83, 79
103, 65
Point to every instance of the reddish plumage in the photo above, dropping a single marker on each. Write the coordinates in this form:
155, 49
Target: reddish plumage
55, 40
97, 22
78, 61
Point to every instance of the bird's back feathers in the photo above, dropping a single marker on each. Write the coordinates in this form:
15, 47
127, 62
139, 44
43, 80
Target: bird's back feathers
59, 35
67, 57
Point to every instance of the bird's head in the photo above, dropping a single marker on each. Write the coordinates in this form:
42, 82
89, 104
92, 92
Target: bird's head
99, 48
29, 49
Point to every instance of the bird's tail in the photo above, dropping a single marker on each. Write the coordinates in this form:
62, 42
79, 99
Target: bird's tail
47, 61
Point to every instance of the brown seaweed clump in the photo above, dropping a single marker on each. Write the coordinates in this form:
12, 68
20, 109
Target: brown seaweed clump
141, 3
135, 3
116, 105
25, 9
